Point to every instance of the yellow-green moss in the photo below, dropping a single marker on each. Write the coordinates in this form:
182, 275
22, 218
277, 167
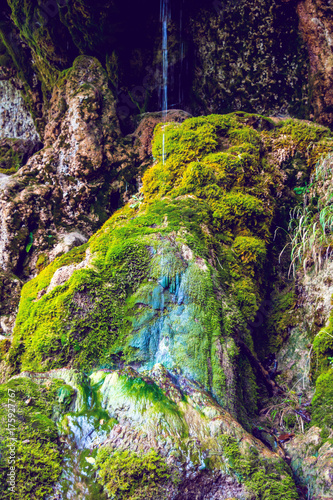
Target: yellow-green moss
158, 269
133, 476
322, 349
322, 402
37, 452
263, 479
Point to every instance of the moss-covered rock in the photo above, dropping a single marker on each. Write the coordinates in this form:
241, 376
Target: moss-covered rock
175, 277
29, 438
131, 475
189, 434
166, 280
14, 153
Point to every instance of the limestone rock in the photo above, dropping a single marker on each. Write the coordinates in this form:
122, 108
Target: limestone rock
73, 183
10, 289
316, 28
15, 120
312, 461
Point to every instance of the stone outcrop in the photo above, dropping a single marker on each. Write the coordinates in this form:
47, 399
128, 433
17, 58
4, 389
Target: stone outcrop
315, 24
15, 120
312, 461
76, 180
155, 261
201, 443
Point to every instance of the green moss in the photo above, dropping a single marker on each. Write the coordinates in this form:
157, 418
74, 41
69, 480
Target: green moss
243, 135
37, 453
239, 211
174, 276
45, 39
133, 476
309, 139
10, 159
322, 402
139, 389
41, 261
303, 133
280, 318
263, 479
322, 349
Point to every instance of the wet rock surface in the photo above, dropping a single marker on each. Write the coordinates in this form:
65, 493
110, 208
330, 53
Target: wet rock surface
135, 348
73, 183
312, 461
15, 120
316, 30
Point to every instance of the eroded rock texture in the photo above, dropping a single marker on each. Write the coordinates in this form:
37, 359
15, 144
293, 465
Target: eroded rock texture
315, 23
74, 182
156, 332
15, 121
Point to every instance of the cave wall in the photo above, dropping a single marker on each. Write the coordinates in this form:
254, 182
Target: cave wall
267, 56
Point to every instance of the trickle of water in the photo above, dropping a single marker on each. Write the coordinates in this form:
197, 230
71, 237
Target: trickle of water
182, 53
81, 433
164, 17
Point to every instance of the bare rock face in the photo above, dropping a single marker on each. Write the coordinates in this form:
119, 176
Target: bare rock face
10, 288
315, 24
311, 459
314, 302
74, 183
248, 57
15, 120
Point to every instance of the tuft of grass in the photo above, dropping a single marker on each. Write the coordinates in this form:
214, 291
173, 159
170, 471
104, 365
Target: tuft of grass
310, 228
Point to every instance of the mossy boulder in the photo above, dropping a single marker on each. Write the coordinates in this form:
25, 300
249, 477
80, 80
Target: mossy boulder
169, 427
175, 278
32, 438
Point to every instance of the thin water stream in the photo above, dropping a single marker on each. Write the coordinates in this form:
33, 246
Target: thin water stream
79, 432
164, 17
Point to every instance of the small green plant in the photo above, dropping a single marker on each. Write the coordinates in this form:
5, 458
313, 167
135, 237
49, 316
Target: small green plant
310, 229
303, 189
283, 412
30, 242
137, 200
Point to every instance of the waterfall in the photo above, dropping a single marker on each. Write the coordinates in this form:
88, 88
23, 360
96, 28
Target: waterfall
164, 16
182, 53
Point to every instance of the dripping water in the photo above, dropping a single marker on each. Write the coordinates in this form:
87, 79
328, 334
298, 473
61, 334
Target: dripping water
182, 54
164, 17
